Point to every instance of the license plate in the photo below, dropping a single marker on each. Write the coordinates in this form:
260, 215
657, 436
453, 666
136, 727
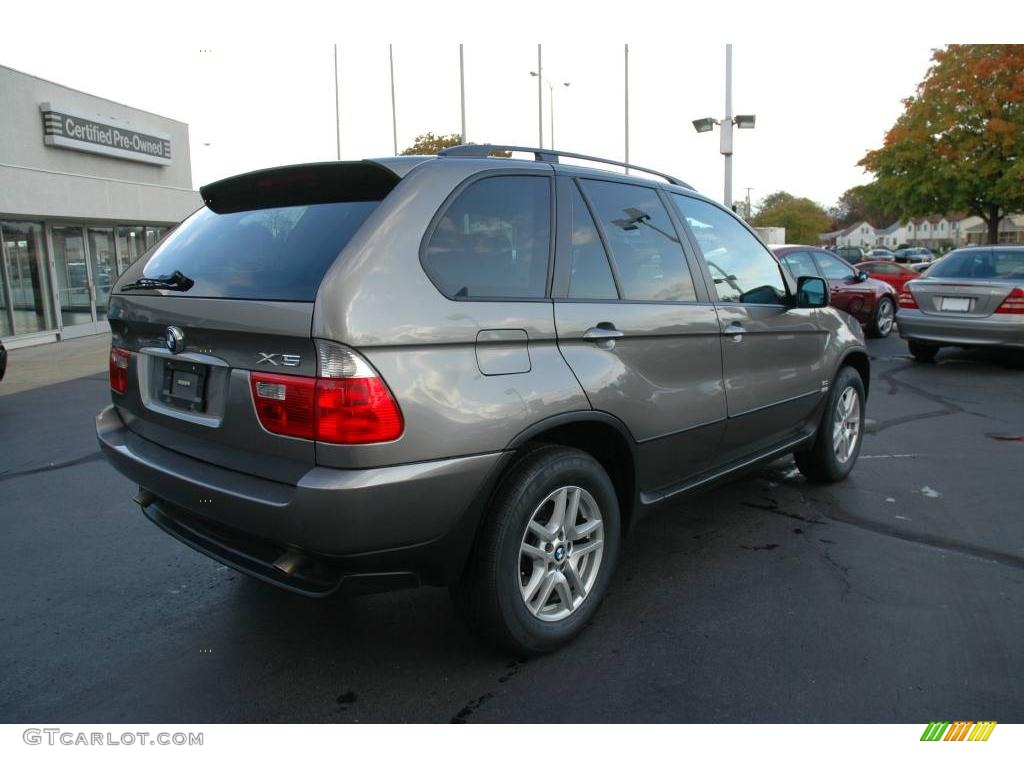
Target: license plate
184, 385
950, 304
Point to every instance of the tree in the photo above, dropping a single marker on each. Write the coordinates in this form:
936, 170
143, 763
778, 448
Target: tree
803, 219
429, 144
959, 145
866, 202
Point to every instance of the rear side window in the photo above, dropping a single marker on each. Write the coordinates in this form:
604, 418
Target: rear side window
832, 268
271, 253
590, 276
644, 245
494, 241
800, 264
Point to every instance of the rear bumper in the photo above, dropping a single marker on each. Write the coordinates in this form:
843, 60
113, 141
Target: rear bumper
961, 331
413, 519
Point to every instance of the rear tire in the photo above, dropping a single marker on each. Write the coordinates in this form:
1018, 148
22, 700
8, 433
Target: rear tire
840, 432
922, 353
883, 318
531, 592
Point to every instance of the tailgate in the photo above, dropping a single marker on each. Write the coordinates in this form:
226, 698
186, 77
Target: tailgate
198, 401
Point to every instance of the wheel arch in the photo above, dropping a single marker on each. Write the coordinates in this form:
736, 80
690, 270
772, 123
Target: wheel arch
858, 360
600, 435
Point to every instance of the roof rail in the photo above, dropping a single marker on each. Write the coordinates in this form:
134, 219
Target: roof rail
549, 156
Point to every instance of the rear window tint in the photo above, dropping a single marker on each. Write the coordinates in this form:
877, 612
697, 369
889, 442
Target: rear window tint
272, 253
590, 276
494, 241
647, 253
983, 263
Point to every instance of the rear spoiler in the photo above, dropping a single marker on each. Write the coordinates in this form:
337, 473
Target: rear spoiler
308, 184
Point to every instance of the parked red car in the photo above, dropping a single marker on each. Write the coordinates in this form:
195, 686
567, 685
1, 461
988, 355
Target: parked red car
888, 272
871, 302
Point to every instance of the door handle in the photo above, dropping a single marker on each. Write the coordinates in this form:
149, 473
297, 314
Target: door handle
599, 333
603, 335
735, 330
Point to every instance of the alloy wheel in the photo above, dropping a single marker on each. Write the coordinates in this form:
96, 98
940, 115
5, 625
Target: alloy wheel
886, 317
846, 425
560, 553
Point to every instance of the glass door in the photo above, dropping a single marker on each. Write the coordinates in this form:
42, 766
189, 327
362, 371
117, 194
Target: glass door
103, 267
74, 283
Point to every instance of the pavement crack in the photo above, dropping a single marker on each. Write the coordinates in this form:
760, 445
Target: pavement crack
773, 507
943, 543
53, 467
470, 708
841, 572
949, 407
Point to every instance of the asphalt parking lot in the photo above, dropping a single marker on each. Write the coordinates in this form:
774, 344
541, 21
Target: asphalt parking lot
895, 596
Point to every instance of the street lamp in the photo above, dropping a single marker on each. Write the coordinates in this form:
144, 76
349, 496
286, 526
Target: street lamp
551, 106
705, 124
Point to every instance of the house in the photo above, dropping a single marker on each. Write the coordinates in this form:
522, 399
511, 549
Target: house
889, 237
1011, 230
861, 233
937, 232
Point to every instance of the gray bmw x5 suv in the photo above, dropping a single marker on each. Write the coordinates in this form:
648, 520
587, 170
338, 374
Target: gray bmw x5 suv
463, 371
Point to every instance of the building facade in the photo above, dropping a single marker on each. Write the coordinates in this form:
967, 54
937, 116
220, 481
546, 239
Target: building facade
86, 186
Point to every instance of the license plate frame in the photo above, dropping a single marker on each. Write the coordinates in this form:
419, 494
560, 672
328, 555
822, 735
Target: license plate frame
955, 304
183, 385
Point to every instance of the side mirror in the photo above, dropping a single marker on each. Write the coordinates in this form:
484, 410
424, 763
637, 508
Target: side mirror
811, 292
862, 276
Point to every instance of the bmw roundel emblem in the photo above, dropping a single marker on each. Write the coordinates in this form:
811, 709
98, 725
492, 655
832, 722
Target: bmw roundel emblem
174, 338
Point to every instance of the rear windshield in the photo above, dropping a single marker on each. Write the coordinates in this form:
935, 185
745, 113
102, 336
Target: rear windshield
984, 263
272, 253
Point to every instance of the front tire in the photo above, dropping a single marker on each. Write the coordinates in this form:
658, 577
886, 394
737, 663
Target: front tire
883, 318
546, 553
840, 434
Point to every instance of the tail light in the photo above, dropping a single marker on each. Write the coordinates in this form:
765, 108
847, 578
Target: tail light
1012, 304
119, 369
347, 403
907, 300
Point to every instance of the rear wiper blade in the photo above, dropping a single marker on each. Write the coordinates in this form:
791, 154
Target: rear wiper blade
175, 281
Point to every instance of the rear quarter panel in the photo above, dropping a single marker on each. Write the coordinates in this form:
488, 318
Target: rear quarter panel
378, 299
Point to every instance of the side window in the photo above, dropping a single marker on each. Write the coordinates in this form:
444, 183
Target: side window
799, 264
590, 276
493, 242
648, 256
832, 268
743, 271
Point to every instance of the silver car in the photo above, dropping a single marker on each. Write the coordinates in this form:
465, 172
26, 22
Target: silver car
463, 371
972, 297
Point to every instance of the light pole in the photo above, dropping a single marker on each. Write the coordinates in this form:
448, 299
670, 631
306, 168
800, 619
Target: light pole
337, 105
394, 114
462, 91
626, 77
551, 108
706, 124
540, 100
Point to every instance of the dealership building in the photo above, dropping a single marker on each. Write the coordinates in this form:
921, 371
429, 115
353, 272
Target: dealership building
86, 186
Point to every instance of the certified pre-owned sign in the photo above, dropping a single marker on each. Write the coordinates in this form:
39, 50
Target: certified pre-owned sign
103, 136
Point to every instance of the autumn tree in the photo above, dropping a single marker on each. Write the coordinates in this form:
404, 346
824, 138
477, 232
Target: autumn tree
429, 144
865, 202
959, 144
803, 218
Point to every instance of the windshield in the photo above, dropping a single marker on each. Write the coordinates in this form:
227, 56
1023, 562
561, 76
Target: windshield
272, 253
983, 263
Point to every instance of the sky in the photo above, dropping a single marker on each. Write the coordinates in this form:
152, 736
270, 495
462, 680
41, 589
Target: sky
255, 81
